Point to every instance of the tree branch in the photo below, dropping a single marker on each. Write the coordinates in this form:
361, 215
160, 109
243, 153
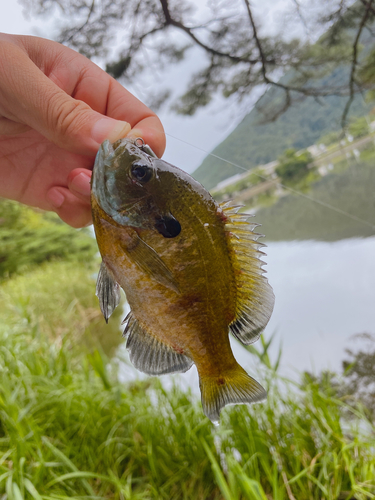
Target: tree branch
287, 88
299, 12
80, 28
169, 21
368, 5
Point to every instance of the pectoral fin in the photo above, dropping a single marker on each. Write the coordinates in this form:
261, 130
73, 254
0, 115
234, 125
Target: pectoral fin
150, 262
107, 291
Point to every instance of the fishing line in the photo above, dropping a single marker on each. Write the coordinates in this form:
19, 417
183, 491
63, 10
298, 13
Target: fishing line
292, 190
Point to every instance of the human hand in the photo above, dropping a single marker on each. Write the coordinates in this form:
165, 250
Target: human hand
56, 108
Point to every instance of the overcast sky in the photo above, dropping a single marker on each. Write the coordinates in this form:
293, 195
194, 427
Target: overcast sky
207, 128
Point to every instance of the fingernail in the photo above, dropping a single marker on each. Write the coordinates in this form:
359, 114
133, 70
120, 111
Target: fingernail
110, 129
81, 184
55, 198
135, 133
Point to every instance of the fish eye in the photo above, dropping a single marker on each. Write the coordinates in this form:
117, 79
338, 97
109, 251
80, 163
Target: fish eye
141, 172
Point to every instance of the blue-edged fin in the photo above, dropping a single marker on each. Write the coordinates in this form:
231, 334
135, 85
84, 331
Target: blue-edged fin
107, 291
150, 355
233, 387
150, 262
255, 298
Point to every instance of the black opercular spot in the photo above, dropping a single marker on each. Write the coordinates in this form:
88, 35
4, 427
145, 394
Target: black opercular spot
141, 172
168, 226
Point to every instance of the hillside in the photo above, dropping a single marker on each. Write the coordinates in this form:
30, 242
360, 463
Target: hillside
252, 143
297, 218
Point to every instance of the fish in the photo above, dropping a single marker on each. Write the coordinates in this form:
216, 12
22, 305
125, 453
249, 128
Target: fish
190, 268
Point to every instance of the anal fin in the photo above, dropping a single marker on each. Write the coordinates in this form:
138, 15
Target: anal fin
150, 355
232, 387
107, 291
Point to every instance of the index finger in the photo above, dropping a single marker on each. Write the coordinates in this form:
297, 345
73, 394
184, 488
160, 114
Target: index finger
85, 81
122, 105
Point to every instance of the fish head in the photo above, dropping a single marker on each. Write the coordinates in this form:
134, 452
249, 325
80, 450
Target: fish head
134, 188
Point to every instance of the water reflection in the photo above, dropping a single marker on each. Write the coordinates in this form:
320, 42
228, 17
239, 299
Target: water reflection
325, 293
295, 217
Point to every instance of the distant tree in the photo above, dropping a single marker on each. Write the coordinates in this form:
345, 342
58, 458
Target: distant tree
359, 127
329, 138
357, 382
293, 168
359, 372
29, 237
366, 73
239, 52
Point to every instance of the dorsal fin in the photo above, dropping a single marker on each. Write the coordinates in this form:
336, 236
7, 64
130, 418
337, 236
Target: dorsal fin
150, 355
255, 298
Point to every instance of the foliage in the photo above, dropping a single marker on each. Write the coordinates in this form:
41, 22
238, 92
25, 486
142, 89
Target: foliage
295, 218
254, 142
29, 237
293, 167
359, 369
238, 51
367, 73
255, 177
329, 138
59, 297
359, 127
357, 382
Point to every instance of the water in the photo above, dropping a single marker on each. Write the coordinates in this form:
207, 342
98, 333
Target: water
325, 294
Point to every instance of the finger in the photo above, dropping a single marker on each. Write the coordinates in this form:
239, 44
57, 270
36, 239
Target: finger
123, 105
29, 97
79, 183
69, 208
10, 127
72, 122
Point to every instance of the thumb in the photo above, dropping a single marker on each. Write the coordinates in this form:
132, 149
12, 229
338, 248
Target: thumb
28, 97
72, 125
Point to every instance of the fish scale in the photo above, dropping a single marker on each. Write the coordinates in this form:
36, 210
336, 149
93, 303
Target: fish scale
189, 267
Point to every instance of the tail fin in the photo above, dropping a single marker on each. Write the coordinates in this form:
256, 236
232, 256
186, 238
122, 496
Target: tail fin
233, 387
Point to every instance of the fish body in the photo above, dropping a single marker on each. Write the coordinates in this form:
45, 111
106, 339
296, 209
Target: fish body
189, 268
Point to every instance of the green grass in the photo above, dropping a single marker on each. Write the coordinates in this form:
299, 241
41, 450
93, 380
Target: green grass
59, 297
29, 237
69, 429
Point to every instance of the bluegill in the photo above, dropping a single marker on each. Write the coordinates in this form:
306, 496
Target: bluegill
190, 269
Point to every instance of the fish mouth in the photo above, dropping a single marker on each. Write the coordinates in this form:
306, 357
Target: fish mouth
167, 226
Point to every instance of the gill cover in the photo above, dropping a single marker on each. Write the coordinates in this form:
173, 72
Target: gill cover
127, 187
117, 181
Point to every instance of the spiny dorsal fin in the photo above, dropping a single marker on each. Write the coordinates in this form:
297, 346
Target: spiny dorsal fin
107, 291
233, 387
150, 355
255, 298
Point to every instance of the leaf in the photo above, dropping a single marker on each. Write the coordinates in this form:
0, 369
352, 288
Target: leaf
31, 489
219, 476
